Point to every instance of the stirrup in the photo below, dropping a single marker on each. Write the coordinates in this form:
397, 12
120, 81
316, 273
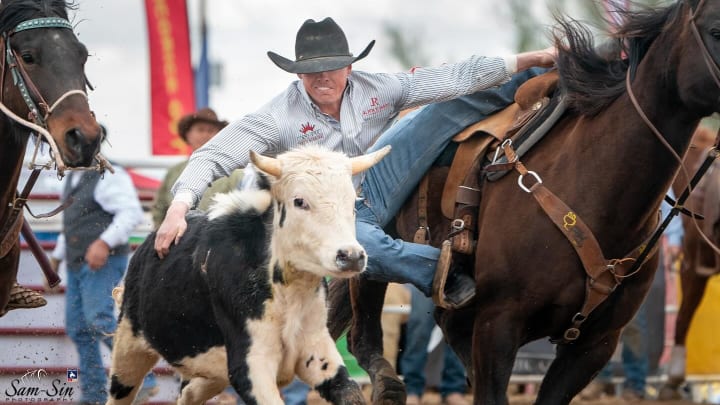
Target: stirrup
23, 297
441, 272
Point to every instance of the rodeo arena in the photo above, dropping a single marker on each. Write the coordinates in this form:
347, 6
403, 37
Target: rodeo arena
190, 217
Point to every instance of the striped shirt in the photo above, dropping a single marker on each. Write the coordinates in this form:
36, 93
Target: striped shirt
370, 103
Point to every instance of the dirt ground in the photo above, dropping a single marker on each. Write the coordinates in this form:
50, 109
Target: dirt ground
434, 399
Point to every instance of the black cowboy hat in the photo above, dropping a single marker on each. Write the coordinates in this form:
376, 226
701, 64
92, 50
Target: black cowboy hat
202, 115
319, 47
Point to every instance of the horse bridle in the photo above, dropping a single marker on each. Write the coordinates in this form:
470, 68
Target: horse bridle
30, 93
22, 80
15, 223
709, 62
714, 71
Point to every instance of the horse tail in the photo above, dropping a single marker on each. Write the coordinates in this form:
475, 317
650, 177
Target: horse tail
339, 308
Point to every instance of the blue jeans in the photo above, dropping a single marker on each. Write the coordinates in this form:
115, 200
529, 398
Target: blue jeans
417, 140
296, 393
90, 319
414, 358
634, 353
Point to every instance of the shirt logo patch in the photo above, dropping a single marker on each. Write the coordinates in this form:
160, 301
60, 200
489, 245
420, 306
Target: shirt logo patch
308, 133
307, 127
376, 107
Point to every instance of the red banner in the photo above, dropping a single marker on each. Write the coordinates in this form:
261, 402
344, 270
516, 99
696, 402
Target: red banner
171, 78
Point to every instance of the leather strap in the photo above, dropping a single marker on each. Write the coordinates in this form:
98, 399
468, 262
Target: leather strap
467, 154
603, 275
468, 196
50, 275
11, 232
11, 228
422, 235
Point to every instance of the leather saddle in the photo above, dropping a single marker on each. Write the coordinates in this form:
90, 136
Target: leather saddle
524, 122
535, 110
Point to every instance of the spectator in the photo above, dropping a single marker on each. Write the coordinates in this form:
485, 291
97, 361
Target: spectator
195, 129
94, 246
419, 327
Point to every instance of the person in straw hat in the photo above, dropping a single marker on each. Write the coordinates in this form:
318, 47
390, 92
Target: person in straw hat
352, 111
195, 129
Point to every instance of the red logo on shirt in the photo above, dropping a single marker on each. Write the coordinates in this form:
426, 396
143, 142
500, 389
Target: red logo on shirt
307, 127
308, 134
375, 107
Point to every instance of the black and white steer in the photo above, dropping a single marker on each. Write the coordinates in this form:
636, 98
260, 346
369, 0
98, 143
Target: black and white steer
241, 298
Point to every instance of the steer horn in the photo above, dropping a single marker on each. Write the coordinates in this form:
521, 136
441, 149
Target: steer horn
361, 163
269, 165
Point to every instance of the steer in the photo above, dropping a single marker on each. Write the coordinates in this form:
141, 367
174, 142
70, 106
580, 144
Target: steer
241, 298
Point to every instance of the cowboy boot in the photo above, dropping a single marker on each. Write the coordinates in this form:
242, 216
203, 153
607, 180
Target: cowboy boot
451, 288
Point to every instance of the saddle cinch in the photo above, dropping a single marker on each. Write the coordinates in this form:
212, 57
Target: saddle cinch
536, 109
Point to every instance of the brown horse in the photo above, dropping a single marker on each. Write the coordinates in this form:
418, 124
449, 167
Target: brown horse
699, 259
42, 77
606, 163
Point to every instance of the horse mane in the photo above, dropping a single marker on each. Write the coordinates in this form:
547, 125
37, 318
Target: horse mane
13, 12
593, 77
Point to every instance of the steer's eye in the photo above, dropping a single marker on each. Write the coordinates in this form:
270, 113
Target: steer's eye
300, 203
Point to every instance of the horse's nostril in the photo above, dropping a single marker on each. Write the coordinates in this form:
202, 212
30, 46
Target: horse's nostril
80, 150
74, 138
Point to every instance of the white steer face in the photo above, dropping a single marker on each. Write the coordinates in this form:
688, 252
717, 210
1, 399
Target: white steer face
314, 222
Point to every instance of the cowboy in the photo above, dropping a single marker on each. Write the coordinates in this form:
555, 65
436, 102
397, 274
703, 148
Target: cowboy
352, 111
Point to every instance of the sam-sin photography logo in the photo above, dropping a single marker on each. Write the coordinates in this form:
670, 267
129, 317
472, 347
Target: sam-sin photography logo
38, 386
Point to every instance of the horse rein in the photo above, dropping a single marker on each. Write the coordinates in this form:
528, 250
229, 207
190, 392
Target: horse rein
604, 275
29, 92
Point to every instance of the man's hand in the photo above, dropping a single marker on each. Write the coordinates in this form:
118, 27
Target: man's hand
172, 228
97, 254
543, 58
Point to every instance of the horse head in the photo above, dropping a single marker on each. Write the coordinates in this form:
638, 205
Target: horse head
43, 79
697, 57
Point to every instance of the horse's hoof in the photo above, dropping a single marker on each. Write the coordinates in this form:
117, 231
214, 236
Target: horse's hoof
669, 393
388, 391
353, 397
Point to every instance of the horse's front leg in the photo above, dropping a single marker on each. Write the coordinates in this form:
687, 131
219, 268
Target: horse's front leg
496, 339
693, 288
8, 272
458, 333
365, 341
575, 365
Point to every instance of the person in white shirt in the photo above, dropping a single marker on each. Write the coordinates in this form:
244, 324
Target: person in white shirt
94, 245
